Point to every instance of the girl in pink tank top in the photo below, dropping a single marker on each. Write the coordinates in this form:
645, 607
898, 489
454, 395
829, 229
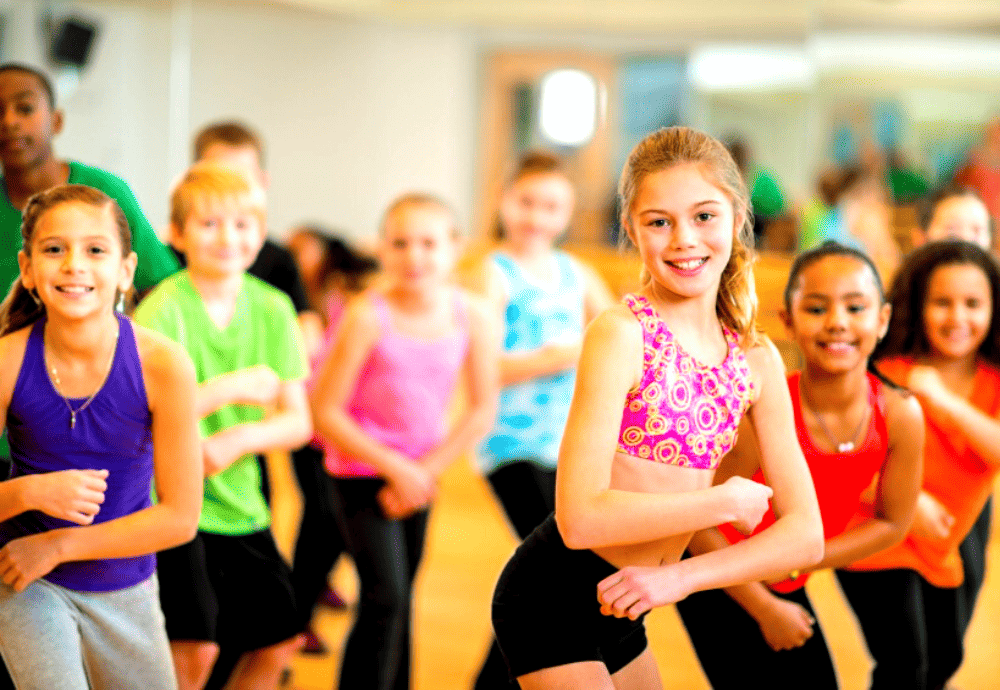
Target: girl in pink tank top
380, 404
852, 427
662, 384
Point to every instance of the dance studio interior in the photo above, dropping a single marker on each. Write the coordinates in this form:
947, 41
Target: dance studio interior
357, 102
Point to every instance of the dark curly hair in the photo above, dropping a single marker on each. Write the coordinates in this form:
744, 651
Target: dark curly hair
908, 294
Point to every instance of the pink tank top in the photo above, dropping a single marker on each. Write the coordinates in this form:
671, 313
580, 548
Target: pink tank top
403, 390
682, 412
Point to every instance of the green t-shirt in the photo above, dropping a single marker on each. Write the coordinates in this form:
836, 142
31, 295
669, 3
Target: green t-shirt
263, 330
765, 194
156, 262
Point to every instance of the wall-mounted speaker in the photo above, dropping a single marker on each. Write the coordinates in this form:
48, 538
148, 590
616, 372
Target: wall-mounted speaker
72, 39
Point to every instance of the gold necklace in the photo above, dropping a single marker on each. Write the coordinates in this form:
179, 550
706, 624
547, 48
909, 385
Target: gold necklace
842, 447
58, 384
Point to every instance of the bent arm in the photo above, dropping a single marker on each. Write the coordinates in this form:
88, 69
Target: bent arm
589, 513
481, 388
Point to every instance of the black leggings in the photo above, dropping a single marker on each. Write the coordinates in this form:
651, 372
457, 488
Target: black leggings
319, 543
913, 629
734, 654
527, 492
973, 551
386, 555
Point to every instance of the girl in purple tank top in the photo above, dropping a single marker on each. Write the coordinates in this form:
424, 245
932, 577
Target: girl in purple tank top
95, 407
380, 403
663, 382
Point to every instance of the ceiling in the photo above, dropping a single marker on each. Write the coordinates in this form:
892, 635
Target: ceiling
729, 18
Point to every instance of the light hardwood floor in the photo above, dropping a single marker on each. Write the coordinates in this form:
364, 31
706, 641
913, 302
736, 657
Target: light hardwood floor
468, 544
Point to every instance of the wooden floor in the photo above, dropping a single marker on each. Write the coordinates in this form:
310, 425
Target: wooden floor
468, 544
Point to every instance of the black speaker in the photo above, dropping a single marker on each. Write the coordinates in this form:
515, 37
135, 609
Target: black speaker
72, 39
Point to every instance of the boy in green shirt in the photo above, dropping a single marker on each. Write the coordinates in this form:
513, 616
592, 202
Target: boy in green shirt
229, 587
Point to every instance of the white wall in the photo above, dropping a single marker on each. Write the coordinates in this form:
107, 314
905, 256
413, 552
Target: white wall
352, 113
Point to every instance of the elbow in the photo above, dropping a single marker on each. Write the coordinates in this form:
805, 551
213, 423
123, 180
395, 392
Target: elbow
813, 544
303, 432
575, 529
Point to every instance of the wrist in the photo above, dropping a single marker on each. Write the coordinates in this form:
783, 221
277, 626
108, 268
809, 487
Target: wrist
63, 543
26, 496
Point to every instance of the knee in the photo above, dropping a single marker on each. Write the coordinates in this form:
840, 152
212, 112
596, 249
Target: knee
389, 599
277, 655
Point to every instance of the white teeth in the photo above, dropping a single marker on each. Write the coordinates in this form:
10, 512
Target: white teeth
688, 265
74, 289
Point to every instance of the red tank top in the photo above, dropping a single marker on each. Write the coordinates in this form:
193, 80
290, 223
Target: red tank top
840, 478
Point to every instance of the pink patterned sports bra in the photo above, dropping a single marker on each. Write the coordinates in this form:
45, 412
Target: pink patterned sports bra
682, 412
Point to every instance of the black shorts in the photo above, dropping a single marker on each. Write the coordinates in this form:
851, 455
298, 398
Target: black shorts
236, 591
546, 613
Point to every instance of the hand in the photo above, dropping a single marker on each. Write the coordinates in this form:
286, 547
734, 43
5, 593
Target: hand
24, 560
215, 456
785, 624
73, 495
633, 590
926, 383
411, 487
751, 502
256, 385
932, 521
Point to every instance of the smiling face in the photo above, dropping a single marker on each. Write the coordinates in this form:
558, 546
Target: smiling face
27, 121
75, 262
960, 217
684, 227
418, 249
220, 238
837, 314
957, 310
536, 209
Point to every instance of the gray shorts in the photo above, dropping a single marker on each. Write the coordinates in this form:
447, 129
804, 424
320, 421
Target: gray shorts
53, 638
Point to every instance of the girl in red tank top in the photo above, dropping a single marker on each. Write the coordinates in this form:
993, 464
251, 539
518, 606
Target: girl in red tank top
944, 345
852, 428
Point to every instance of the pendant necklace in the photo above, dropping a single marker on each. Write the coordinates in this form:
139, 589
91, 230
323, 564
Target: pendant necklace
58, 384
845, 446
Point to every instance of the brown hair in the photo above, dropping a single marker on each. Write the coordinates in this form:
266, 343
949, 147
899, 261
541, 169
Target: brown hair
211, 182
736, 304
20, 308
419, 199
230, 133
535, 162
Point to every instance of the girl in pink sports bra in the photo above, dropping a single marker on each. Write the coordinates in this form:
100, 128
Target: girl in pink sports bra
380, 403
663, 382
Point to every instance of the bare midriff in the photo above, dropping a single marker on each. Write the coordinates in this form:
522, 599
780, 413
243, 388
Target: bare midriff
629, 473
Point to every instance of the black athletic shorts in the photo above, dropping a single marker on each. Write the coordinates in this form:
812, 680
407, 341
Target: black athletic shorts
546, 613
231, 590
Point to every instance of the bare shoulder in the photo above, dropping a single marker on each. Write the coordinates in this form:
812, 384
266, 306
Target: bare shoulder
902, 411
765, 365
163, 360
616, 328
12, 348
477, 308
359, 313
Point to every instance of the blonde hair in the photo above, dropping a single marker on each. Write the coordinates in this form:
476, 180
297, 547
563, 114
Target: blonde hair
205, 183
419, 199
21, 307
736, 304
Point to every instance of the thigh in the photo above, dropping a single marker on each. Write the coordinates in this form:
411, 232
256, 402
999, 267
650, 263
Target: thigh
807, 666
526, 492
314, 482
945, 629
188, 593
124, 638
39, 638
415, 528
257, 605
641, 673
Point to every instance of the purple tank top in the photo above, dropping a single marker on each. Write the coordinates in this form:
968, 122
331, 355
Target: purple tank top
113, 433
403, 391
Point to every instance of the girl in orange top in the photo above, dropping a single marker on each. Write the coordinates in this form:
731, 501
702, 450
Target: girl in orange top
851, 427
944, 345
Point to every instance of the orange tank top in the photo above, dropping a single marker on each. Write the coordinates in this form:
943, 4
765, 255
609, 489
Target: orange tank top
954, 474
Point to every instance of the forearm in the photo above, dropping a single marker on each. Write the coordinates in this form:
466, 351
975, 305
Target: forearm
14, 497
283, 430
469, 429
980, 430
212, 394
517, 367
161, 526
615, 517
754, 597
793, 542
860, 542
337, 427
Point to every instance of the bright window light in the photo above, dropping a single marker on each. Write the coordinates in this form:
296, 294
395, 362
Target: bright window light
568, 108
